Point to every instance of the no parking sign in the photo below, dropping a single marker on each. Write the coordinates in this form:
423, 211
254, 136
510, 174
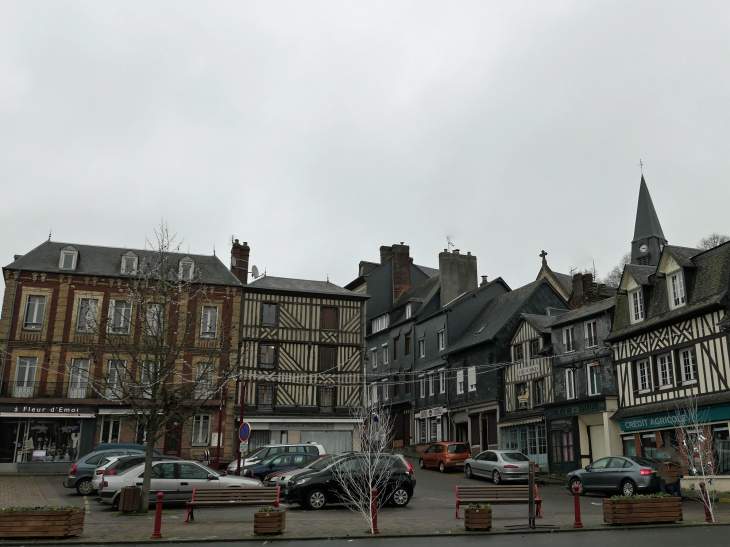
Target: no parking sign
244, 432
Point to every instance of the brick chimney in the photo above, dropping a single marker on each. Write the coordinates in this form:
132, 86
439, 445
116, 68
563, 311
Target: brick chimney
385, 254
401, 268
239, 260
582, 284
458, 274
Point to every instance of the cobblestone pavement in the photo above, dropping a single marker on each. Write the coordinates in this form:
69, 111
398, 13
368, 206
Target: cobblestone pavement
20, 492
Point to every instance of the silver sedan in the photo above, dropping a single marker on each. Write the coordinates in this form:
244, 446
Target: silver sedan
499, 465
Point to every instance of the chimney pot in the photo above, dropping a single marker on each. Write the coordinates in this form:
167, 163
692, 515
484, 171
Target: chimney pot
484, 279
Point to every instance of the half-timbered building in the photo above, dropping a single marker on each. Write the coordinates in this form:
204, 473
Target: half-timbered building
301, 358
669, 342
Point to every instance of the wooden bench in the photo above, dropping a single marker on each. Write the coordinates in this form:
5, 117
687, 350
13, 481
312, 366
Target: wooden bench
495, 495
218, 497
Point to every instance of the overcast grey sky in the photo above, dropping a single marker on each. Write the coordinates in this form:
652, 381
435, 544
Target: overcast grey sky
319, 131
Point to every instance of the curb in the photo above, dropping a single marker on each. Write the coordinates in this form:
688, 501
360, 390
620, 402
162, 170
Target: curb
81, 541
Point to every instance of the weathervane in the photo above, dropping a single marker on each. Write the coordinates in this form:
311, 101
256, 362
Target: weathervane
449, 245
641, 166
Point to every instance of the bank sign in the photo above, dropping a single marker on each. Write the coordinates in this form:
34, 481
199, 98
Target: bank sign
675, 418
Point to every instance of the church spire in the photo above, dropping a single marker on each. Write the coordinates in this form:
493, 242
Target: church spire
649, 238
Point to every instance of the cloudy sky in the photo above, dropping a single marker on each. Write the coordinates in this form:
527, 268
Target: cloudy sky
319, 131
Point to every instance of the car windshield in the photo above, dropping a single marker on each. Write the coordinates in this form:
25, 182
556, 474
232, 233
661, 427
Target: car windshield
211, 471
256, 454
318, 465
514, 457
266, 460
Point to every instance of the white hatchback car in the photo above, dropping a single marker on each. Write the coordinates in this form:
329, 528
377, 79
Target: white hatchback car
271, 450
176, 480
98, 477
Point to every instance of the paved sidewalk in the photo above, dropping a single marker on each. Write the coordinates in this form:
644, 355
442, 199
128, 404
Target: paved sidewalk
20, 492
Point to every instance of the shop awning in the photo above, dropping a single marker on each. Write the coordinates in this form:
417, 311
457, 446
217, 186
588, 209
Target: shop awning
531, 420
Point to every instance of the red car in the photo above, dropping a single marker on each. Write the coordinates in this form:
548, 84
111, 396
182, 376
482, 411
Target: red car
445, 456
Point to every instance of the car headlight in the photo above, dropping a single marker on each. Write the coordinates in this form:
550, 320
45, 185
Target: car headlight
302, 481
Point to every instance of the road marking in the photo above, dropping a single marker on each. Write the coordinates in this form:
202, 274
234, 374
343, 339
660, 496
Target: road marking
436, 499
86, 504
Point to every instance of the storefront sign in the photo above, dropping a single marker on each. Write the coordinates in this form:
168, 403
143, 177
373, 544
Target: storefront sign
532, 369
573, 410
46, 410
302, 426
430, 413
675, 418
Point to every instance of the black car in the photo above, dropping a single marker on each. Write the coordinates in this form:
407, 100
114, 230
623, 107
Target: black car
628, 475
316, 489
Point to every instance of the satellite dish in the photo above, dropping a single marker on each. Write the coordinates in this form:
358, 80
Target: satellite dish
255, 271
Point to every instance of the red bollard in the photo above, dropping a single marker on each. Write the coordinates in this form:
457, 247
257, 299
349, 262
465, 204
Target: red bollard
706, 503
374, 511
576, 495
158, 517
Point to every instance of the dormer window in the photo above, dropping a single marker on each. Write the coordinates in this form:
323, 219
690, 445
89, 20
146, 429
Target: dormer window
677, 297
187, 269
129, 263
69, 257
380, 323
408, 311
636, 299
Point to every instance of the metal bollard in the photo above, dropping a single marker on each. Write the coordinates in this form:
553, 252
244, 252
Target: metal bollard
576, 495
158, 517
706, 503
374, 511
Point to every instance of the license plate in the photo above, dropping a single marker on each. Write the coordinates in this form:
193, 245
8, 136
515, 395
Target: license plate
459, 464
286, 490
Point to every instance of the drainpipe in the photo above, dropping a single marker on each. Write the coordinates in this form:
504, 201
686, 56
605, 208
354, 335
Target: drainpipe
10, 328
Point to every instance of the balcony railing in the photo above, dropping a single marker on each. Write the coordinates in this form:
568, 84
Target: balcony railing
57, 390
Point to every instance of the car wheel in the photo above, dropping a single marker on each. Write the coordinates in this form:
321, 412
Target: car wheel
84, 487
581, 490
421, 464
496, 477
400, 497
442, 467
628, 488
316, 499
468, 473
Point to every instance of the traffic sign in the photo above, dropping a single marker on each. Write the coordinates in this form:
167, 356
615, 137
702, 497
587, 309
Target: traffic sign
244, 432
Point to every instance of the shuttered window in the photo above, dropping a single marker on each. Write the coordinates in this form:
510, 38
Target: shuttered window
329, 318
327, 359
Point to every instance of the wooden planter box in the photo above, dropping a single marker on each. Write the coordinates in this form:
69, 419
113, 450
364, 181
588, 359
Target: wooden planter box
478, 519
272, 522
57, 524
641, 511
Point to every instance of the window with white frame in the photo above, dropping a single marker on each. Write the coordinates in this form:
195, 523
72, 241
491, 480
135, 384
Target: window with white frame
569, 339
441, 340
120, 317
78, 382
68, 259
442, 381
472, 378
186, 269
591, 330
408, 311
431, 384
518, 352
374, 357
594, 379
115, 379
664, 370
422, 385
540, 393
637, 305
201, 429
385, 389
86, 314
110, 428
208, 322
129, 263
422, 347
643, 375
25, 377
385, 354
677, 297
374, 393
459, 381
154, 319
148, 376
35, 310
204, 379
569, 384
380, 323
687, 361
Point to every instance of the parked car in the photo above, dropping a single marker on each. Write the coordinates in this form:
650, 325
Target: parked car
316, 488
114, 465
280, 478
176, 480
499, 465
279, 462
444, 456
81, 473
270, 450
628, 475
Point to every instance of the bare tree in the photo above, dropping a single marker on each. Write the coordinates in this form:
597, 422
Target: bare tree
613, 277
372, 466
165, 346
696, 449
712, 240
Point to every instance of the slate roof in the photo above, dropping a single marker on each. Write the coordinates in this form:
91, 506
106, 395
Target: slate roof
707, 287
586, 311
106, 261
430, 272
647, 222
682, 255
421, 293
541, 322
271, 283
640, 273
495, 315
566, 281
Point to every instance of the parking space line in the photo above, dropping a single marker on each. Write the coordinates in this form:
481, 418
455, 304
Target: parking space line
86, 504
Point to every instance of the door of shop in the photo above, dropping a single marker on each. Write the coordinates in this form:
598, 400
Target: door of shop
562, 448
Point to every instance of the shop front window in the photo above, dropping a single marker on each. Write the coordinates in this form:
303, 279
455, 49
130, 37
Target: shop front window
721, 448
648, 445
110, 426
629, 445
39, 440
